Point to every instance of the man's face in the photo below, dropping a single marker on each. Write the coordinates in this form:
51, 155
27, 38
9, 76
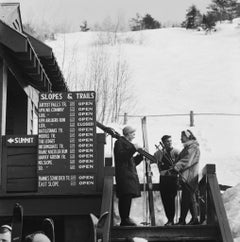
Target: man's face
168, 143
6, 237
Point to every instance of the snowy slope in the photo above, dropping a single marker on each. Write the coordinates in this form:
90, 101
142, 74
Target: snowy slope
174, 71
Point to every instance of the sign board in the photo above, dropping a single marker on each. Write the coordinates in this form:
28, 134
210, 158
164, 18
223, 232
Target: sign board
21, 140
66, 142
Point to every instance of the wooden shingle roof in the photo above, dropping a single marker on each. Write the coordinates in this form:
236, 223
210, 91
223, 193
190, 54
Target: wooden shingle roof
35, 58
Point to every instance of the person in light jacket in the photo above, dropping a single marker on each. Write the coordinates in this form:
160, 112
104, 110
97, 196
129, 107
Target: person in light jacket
188, 166
127, 181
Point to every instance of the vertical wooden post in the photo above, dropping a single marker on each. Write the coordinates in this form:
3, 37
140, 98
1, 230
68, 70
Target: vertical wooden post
125, 119
3, 96
148, 174
203, 193
29, 116
191, 119
3, 105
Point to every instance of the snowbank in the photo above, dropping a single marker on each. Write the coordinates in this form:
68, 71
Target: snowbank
231, 200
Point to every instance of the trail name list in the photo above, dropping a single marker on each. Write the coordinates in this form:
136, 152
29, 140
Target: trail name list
66, 142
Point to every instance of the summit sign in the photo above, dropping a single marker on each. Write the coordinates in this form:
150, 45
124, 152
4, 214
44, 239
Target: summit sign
28, 140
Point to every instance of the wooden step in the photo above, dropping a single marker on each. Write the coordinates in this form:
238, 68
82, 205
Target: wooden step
167, 233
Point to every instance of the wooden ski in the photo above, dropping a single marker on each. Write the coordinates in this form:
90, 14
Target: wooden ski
48, 228
17, 223
116, 135
98, 226
148, 173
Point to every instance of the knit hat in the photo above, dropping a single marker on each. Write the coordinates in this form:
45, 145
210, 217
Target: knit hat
188, 133
128, 130
6, 226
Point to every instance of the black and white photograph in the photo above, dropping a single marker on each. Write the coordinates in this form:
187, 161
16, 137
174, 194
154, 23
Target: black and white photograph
119, 120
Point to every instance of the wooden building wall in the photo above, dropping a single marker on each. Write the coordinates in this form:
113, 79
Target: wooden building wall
28, 67
69, 212
3, 106
19, 165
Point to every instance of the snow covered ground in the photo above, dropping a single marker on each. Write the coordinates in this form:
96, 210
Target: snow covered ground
174, 71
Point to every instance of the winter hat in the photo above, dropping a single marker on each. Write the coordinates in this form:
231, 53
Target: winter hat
188, 133
6, 226
128, 130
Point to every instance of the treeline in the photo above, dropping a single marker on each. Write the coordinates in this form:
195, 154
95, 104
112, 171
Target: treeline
135, 24
218, 11
38, 33
146, 22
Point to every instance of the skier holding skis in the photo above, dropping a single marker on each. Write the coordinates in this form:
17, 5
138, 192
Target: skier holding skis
188, 165
166, 158
127, 181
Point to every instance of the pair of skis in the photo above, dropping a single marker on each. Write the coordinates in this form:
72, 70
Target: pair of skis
148, 176
98, 226
17, 225
116, 135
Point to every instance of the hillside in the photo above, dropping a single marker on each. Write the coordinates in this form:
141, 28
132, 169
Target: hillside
174, 71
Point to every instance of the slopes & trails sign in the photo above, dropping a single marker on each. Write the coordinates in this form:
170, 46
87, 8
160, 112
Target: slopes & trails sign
66, 142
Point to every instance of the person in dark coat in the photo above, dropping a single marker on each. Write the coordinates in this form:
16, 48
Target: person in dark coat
166, 158
188, 166
127, 181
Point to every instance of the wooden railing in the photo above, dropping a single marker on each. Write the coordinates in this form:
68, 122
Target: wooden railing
212, 209
107, 201
191, 115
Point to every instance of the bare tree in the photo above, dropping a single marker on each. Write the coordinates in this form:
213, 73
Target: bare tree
121, 93
109, 76
64, 50
104, 70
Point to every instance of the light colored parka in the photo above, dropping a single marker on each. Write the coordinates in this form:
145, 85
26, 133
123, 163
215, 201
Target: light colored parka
189, 157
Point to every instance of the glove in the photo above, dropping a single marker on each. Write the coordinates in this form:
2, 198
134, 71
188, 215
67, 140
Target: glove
164, 172
173, 172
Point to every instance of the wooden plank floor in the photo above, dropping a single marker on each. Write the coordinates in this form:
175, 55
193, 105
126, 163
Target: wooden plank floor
167, 233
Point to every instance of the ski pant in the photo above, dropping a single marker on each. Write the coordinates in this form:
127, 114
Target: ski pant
168, 191
188, 202
124, 206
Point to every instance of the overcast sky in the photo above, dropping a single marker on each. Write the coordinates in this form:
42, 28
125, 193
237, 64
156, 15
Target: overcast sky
75, 11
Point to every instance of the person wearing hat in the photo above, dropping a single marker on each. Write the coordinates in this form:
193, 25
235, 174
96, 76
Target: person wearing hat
5, 233
188, 166
127, 181
166, 158
38, 236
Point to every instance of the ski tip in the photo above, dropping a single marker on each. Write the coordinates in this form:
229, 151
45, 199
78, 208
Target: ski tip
17, 208
48, 228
